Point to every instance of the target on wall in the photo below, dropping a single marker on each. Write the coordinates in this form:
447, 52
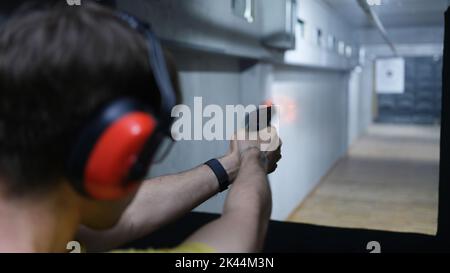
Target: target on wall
390, 76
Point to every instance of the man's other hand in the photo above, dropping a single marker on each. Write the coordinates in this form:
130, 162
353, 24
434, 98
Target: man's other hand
266, 141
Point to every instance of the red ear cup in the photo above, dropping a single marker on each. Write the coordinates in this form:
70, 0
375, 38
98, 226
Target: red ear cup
114, 154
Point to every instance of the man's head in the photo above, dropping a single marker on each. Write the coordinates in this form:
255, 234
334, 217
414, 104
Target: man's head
58, 66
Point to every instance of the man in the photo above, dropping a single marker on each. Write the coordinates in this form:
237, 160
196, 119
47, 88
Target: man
58, 66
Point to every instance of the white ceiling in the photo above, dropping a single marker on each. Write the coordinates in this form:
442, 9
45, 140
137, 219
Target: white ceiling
394, 13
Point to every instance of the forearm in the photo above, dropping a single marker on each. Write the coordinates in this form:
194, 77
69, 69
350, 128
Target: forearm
158, 202
243, 225
251, 193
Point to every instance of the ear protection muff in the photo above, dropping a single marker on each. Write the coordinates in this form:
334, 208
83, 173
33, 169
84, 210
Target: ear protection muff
158, 66
112, 153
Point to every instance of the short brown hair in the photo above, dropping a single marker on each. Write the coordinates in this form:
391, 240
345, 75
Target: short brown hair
57, 65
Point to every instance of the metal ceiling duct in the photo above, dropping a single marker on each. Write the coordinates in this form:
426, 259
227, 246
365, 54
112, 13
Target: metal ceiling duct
377, 22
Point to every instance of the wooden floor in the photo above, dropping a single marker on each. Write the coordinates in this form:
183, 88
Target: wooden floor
388, 181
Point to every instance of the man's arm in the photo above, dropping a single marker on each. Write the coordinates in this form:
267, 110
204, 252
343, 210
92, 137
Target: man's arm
243, 224
164, 199
158, 202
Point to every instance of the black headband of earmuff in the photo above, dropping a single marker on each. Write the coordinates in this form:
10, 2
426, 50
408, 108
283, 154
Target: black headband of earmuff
158, 67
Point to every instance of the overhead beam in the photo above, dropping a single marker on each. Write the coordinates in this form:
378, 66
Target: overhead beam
377, 22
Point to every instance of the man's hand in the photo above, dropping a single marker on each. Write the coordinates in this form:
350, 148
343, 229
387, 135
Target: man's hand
231, 161
243, 224
270, 146
272, 159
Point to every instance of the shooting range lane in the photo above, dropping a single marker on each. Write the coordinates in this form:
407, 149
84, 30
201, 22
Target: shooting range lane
389, 181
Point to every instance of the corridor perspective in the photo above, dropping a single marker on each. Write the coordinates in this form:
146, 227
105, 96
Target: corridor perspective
138, 104
388, 181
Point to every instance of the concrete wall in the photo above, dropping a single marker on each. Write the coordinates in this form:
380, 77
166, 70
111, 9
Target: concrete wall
313, 127
404, 35
354, 101
366, 97
211, 25
315, 131
318, 15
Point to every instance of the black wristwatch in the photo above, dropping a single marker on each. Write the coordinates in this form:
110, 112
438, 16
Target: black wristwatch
220, 172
